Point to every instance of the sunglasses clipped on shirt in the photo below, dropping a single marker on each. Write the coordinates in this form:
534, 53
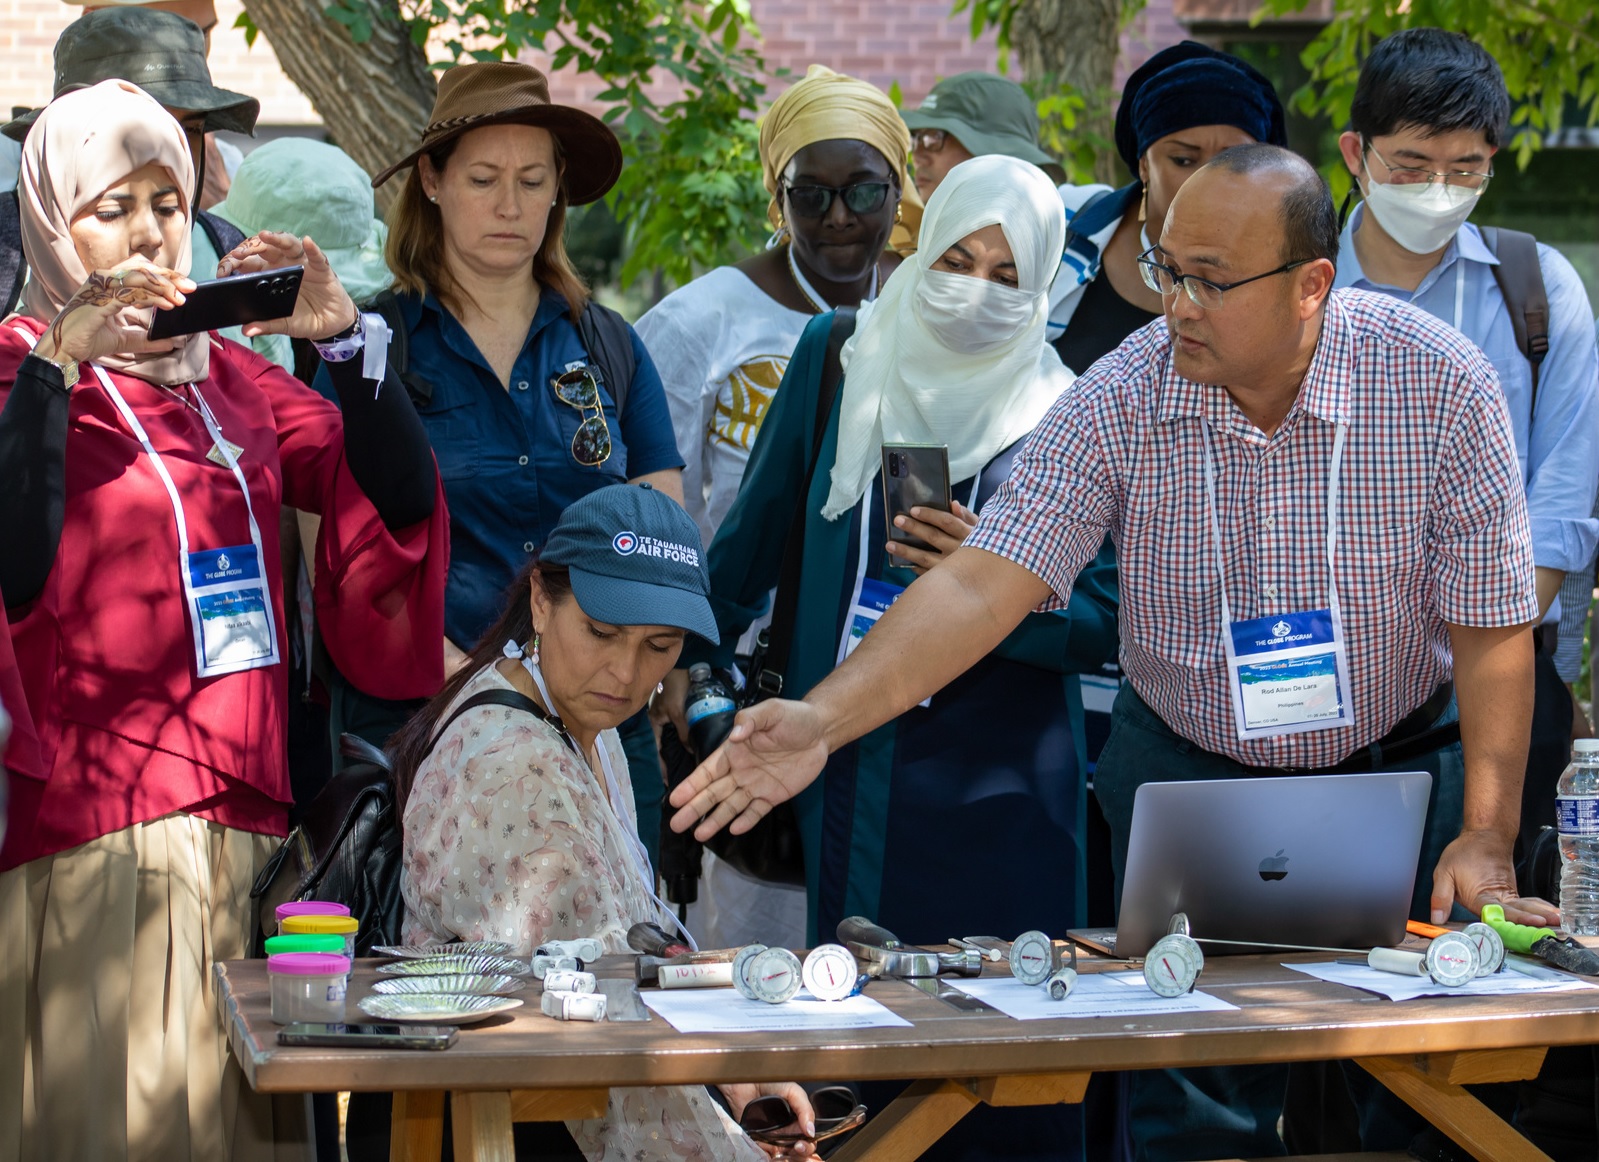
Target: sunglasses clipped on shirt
766, 1119
816, 201
591, 444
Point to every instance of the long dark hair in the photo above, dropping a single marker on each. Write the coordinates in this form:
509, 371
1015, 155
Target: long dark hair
409, 746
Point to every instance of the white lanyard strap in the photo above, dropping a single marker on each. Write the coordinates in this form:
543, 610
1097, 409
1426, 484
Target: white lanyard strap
809, 291
1460, 291
1334, 473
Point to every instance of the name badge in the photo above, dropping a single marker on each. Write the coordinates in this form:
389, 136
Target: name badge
1289, 673
230, 611
874, 601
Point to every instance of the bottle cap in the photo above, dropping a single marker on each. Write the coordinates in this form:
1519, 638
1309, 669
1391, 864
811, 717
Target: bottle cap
319, 925
311, 908
1585, 746
309, 964
332, 942
699, 671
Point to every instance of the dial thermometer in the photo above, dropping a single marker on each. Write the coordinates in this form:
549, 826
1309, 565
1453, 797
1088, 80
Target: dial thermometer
1032, 957
740, 963
1173, 965
772, 975
830, 972
1490, 947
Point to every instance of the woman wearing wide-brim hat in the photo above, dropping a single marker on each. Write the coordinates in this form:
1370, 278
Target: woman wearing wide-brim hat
519, 406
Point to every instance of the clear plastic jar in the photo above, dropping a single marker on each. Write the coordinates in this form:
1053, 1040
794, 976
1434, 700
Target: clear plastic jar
308, 908
308, 986
322, 925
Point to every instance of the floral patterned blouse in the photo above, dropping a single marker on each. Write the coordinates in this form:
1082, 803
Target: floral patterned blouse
510, 836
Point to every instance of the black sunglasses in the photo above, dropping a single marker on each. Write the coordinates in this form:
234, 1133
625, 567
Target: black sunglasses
591, 445
837, 1112
815, 201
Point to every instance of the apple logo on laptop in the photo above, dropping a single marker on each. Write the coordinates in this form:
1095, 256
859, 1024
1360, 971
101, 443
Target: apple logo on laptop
1274, 867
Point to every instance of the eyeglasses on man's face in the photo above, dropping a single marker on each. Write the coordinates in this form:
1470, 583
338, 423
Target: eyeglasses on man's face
591, 444
929, 140
816, 201
1163, 280
1405, 175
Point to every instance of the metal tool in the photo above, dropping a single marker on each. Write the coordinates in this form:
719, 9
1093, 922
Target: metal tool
622, 1002
992, 947
1172, 966
1035, 958
1490, 947
881, 953
769, 974
1451, 960
1543, 943
653, 940
830, 972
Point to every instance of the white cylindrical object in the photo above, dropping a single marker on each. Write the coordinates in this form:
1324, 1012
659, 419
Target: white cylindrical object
546, 964
717, 974
1398, 961
574, 1006
586, 949
1060, 985
565, 980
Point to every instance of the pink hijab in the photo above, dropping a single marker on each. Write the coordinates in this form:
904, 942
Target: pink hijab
85, 142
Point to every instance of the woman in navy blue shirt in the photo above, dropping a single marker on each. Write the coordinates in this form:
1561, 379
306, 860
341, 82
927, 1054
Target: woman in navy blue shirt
516, 406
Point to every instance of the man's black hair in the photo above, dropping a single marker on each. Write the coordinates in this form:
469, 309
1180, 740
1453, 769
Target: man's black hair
1310, 225
1431, 80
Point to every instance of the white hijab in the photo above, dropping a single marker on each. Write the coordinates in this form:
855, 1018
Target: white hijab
903, 384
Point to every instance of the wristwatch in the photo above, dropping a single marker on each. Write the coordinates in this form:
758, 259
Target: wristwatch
67, 367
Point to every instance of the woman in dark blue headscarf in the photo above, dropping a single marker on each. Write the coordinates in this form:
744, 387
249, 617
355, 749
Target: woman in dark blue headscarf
1178, 110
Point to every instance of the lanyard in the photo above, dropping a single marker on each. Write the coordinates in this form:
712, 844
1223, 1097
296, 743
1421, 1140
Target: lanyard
1332, 523
1460, 290
613, 791
809, 291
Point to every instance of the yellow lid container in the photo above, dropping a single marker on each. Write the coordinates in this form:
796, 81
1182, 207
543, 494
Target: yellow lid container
320, 925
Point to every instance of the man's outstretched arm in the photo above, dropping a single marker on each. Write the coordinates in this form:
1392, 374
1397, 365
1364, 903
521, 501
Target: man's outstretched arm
940, 627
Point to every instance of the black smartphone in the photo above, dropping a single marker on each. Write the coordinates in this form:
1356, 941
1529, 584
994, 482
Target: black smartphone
232, 302
914, 474
370, 1036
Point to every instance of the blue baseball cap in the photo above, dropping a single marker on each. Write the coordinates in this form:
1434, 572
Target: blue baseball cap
635, 558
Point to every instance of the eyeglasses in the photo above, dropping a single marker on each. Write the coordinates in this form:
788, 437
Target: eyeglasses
837, 1112
591, 445
929, 140
815, 201
1163, 280
1404, 175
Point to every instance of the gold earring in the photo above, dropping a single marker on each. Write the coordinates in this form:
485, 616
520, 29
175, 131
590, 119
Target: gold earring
899, 211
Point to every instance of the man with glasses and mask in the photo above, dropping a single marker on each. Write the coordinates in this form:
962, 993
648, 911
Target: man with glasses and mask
1429, 113
1215, 446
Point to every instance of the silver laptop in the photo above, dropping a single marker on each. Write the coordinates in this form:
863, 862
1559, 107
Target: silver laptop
1315, 860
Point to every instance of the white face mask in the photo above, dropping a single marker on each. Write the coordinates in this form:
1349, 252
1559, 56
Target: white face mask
1421, 218
970, 314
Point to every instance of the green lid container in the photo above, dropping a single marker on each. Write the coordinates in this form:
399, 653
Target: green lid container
305, 942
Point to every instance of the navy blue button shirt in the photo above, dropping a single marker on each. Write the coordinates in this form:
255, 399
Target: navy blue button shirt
505, 456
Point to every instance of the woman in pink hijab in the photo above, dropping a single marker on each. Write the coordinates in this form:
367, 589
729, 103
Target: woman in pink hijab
140, 580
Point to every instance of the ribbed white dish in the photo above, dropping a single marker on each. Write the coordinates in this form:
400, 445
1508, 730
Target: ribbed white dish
437, 1009
429, 951
459, 985
457, 966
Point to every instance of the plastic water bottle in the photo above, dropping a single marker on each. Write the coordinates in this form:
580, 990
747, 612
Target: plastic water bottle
710, 710
1577, 817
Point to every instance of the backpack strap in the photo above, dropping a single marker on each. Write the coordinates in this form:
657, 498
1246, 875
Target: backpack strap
13, 266
1091, 217
1520, 280
608, 341
224, 235
785, 606
515, 699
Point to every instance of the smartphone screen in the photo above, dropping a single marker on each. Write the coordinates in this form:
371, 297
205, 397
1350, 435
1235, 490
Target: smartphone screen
914, 474
232, 302
369, 1036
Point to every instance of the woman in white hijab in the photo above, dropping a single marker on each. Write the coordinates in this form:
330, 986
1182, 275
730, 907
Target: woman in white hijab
915, 825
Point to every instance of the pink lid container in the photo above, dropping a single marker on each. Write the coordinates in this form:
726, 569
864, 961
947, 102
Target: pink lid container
309, 964
311, 908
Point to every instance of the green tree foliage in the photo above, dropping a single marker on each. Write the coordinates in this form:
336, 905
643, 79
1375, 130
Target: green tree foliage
1548, 50
690, 194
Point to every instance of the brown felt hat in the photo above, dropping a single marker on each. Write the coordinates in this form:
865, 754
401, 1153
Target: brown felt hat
511, 93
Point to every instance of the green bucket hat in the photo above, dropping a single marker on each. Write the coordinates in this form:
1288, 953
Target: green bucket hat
161, 52
985, 113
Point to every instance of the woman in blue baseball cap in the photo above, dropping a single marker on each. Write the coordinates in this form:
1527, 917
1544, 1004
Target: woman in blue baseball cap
1179, 109
590, 627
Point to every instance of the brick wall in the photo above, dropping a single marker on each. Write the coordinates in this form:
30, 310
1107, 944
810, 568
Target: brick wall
911, 42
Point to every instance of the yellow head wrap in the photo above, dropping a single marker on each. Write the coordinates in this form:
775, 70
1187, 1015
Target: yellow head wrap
829, 106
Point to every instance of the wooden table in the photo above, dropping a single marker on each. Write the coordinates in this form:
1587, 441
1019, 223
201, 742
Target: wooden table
527, 1067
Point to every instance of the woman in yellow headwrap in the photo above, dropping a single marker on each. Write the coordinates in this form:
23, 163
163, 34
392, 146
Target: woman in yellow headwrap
833, 151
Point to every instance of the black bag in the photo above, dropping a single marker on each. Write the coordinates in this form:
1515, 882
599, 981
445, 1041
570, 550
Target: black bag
772, 849
348, 846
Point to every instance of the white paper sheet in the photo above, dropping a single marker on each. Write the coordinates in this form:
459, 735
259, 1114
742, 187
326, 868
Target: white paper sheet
726, 1011
1533, 978
1099, 994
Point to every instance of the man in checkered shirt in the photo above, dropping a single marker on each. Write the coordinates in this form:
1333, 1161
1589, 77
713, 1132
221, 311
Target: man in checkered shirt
1433, 555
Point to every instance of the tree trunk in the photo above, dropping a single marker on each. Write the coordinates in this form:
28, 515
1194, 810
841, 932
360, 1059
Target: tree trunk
1075, 42
374, 97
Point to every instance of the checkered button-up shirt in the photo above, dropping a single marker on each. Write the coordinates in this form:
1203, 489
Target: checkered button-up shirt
1432, 522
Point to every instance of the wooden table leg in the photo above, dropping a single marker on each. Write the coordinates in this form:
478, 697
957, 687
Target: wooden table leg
481, 1123
416, 1127
1432, 1087
925, 1112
